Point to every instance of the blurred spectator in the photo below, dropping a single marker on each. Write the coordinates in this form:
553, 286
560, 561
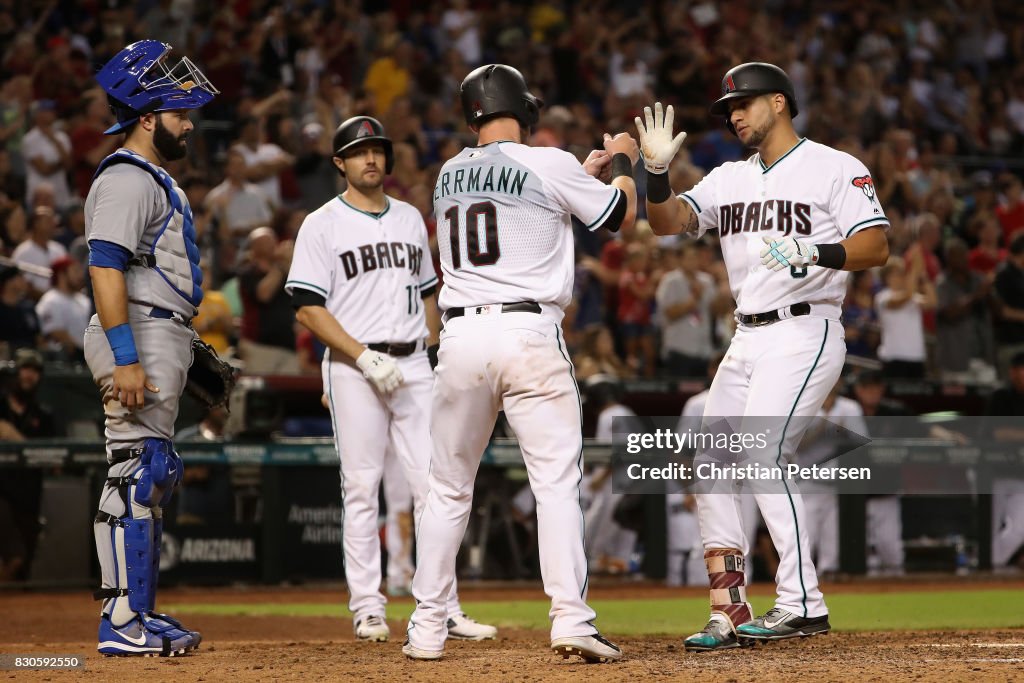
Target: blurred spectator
597, 355
47, 154
987, 256
214, 324
684, 301
1011, 209
899, 306
21, 415
264, 161
1009, 286
314, 171
89, 146
460, 27
636, 290
390, 76
982, 200
64, 310
268, 322
964, 313
40, 249
860, 321
19, 326
238, 205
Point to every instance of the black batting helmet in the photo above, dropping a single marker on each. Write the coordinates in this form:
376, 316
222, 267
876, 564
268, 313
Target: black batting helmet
498, 90
359, 130
753, 78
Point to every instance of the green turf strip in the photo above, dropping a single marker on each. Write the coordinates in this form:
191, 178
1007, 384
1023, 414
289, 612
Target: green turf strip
849, 612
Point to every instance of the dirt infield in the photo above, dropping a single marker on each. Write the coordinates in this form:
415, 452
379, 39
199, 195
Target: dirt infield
322, 648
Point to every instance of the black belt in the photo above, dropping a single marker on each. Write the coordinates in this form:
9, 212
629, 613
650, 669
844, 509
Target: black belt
755, 319
396, 350
517, 307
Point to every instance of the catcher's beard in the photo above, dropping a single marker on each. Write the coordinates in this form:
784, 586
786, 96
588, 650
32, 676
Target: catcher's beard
170, 148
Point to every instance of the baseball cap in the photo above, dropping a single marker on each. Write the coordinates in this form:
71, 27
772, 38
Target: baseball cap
59, 266
870, 378
42, 105
28, 358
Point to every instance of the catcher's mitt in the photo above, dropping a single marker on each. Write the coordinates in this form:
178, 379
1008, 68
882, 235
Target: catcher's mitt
209, 378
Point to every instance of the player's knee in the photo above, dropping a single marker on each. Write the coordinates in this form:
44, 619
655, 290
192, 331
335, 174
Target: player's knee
159, 473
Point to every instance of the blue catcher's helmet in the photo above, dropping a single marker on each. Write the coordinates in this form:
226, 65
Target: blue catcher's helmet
138, 82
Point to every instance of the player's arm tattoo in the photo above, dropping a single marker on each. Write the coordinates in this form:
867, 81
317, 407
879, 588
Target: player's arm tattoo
691, 223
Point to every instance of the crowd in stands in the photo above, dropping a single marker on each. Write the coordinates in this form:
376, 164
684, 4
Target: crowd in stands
931, 99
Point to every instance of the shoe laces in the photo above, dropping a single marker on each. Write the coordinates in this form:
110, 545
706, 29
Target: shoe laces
374, 621
774, 611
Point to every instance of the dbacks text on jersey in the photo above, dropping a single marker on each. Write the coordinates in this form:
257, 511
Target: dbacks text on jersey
381, 255
774, 214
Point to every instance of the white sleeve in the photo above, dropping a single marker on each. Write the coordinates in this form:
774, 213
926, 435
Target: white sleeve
48, 314
703, 199
312, 262
580, 194
854, 204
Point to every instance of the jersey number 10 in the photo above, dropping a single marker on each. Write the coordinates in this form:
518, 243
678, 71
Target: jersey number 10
485, 257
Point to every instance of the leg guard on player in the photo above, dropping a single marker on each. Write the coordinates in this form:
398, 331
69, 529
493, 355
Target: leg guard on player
729, 606
128, 530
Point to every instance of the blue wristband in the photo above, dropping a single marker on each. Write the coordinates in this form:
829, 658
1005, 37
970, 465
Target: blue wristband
122, 343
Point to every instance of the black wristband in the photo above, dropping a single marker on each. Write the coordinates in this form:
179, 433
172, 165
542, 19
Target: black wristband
432, 355
658, 188
621, 165
831, 256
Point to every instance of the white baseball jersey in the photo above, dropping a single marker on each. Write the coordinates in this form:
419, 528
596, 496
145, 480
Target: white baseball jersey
370, 269
812, 193
504, 228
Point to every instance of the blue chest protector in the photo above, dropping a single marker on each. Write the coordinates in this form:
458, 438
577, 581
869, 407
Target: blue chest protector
173, 254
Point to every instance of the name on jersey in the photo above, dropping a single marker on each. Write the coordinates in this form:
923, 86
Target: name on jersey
369, 257
504, 179
773, 214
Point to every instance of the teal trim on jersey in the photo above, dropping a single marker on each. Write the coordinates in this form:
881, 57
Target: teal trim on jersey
306, 285
878, 221
607, 210
429, 283
691, 200
378, 216
579, 458
782, 440
776, 162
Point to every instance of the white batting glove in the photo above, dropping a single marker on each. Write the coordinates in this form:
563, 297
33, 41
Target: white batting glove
657, 146
380, 369
779, 253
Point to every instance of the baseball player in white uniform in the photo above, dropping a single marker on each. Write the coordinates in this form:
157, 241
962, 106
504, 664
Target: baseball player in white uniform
792, 219
504, 231
363, 282
685, 546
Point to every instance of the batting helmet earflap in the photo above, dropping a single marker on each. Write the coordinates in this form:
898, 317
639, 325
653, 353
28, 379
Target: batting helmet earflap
138, 81
498, 90
359, 130
753, 78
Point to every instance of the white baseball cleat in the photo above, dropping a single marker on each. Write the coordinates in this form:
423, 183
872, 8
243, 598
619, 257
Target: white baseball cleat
413, 652
373, 628
461, 627
594, 649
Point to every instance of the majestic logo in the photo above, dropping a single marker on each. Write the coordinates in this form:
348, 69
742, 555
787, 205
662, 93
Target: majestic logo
365, 130
866, 185
728, 85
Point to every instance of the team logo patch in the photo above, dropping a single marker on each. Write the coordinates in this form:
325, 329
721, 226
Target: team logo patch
478, 110
365, 130
728, 85
866, 185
